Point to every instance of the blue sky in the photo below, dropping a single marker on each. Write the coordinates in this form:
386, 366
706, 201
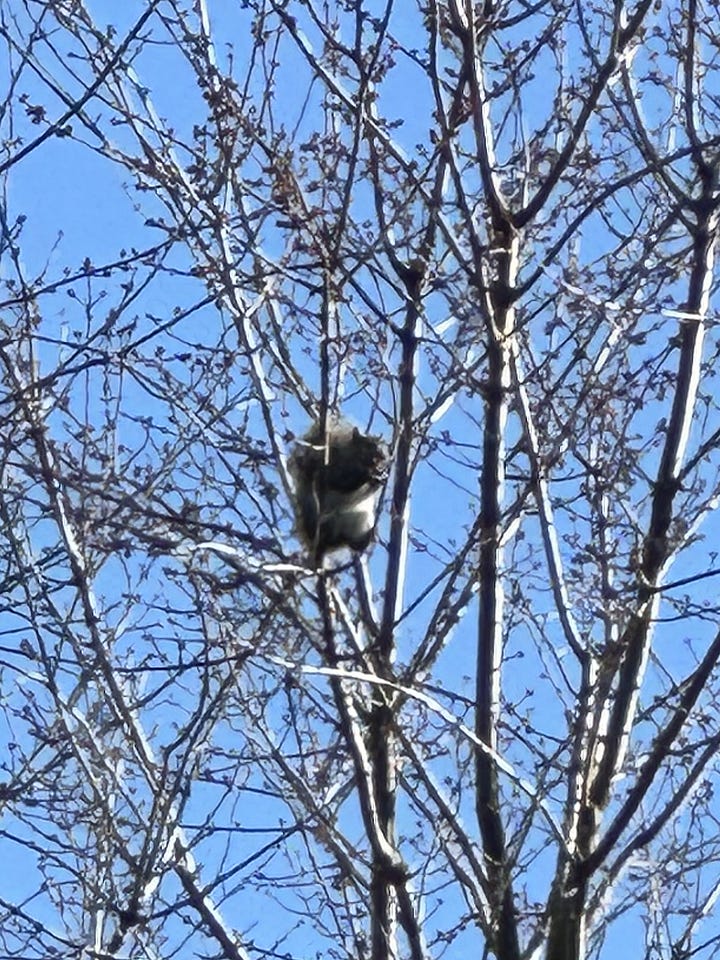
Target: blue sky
79, 204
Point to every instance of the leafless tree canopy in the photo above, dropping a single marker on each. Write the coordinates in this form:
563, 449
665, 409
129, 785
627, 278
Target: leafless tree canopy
483, 232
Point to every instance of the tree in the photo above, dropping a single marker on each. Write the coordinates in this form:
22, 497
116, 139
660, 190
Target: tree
485, 232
